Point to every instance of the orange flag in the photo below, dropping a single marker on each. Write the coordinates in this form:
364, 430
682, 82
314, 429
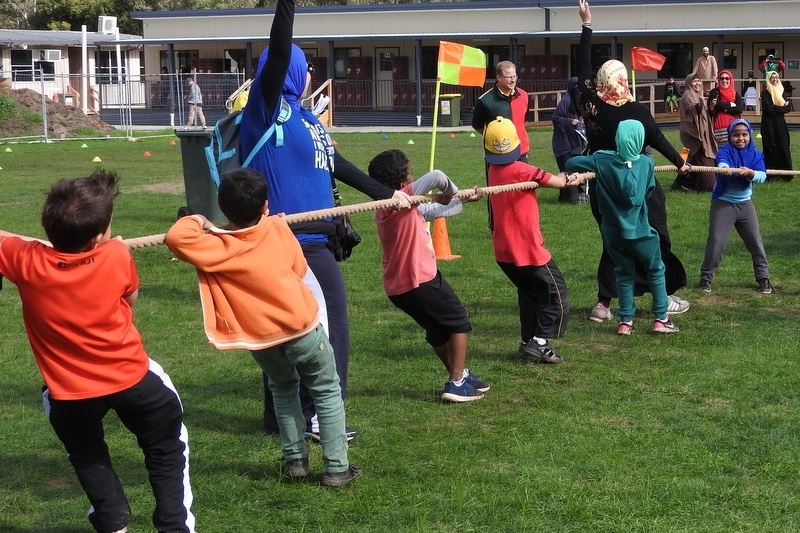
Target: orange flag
461, 65
644, 59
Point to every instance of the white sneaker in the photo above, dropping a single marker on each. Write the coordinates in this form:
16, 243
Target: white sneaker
676, 305
600, 313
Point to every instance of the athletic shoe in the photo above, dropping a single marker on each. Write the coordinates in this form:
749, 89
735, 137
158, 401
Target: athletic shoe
460, 393
704, 285
541, 353
340, 479
764, 286
476, 382
521, 351
313, 436
664, 326
625, 328
600, 313
676, 305
296, 468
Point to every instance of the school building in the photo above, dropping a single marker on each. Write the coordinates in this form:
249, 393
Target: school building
378, 62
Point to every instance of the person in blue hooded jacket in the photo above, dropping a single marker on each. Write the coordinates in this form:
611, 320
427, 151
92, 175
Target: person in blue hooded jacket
569, 139
299, 172
732, 207
624, 181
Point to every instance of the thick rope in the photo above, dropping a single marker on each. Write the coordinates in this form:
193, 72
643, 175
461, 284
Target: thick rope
155, 240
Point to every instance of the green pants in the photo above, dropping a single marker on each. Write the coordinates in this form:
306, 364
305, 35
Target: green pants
627, 255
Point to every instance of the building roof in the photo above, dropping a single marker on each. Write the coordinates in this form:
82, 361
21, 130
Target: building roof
478, 20
54, 38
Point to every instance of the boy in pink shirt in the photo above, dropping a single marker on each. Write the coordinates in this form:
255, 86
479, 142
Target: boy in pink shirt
410, 277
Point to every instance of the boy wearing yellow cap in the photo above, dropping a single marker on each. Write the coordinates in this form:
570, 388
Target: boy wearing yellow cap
519, 246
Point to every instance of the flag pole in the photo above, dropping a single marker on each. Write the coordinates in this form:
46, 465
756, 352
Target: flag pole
633, 78
435, 120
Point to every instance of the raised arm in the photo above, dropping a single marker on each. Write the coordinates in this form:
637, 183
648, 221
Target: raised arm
271, 78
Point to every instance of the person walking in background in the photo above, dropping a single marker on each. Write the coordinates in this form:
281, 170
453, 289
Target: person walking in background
195, 102
569, 139
774, 132
732, 207
725, 104
276, 321
77, 294
706, 68
518, 244
672, 94
604, 101
697, 135
625, 179
410, 277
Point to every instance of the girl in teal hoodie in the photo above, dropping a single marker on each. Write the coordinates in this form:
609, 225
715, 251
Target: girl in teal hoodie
624, 182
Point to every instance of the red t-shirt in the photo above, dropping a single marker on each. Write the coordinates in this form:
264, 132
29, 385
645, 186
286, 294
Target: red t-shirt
517, 238
80, 328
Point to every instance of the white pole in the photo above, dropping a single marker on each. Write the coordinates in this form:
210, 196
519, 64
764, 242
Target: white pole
84, 72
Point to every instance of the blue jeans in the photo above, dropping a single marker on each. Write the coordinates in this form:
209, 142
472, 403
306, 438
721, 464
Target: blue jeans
307, 360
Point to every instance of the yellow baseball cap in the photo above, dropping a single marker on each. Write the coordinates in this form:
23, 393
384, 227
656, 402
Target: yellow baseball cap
501, 142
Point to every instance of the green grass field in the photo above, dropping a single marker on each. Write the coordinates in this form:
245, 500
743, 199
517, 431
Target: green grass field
694, 432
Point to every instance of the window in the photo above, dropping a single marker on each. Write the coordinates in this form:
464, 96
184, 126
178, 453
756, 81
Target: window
679, 60
105, 69
22, 65
600, 54
340, 56
46, 68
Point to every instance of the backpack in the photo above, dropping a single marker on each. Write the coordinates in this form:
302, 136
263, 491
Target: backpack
223, 155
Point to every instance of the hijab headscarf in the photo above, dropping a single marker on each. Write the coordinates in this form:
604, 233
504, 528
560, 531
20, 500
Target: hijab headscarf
726, 94
295, 82
690, 95
612, 83
775, 91
630, 140
697, 128
748, 156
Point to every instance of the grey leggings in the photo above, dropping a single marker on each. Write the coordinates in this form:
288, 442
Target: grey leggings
723, 217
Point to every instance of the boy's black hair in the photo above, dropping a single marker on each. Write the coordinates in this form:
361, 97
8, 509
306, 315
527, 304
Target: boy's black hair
390, 168
242, 194
78, 210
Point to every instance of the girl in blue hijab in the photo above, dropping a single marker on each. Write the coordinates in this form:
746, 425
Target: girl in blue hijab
731, 206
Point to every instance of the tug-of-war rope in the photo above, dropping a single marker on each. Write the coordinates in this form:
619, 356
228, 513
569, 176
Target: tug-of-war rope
308, 216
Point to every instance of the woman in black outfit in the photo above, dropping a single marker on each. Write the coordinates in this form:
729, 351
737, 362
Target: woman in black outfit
604, 103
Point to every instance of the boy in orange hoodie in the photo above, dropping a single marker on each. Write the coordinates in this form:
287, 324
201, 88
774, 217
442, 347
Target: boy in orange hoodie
253, 297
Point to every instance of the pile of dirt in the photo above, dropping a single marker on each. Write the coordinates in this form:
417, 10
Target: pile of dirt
62, 120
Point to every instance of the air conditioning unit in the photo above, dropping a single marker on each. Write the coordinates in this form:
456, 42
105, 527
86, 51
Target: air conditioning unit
51, 55
107, 25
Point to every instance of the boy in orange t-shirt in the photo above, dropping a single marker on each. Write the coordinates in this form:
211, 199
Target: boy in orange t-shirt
76, 304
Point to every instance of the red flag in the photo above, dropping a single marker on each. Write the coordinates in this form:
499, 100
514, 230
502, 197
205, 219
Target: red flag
644, 59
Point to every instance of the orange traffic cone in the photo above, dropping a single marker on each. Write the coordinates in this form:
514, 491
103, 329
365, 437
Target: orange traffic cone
441, 242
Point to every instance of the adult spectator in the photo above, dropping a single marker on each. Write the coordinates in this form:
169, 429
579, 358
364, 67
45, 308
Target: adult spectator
774, 133
771, 64
725, 104
706, 68
569, 139
697, 135
506, 100
604, 102
749, 92
195, 102
299, 173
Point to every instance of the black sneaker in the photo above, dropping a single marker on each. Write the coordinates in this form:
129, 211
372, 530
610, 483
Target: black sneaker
540, 353
704, 285
295, 469
764, 286
340, 479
